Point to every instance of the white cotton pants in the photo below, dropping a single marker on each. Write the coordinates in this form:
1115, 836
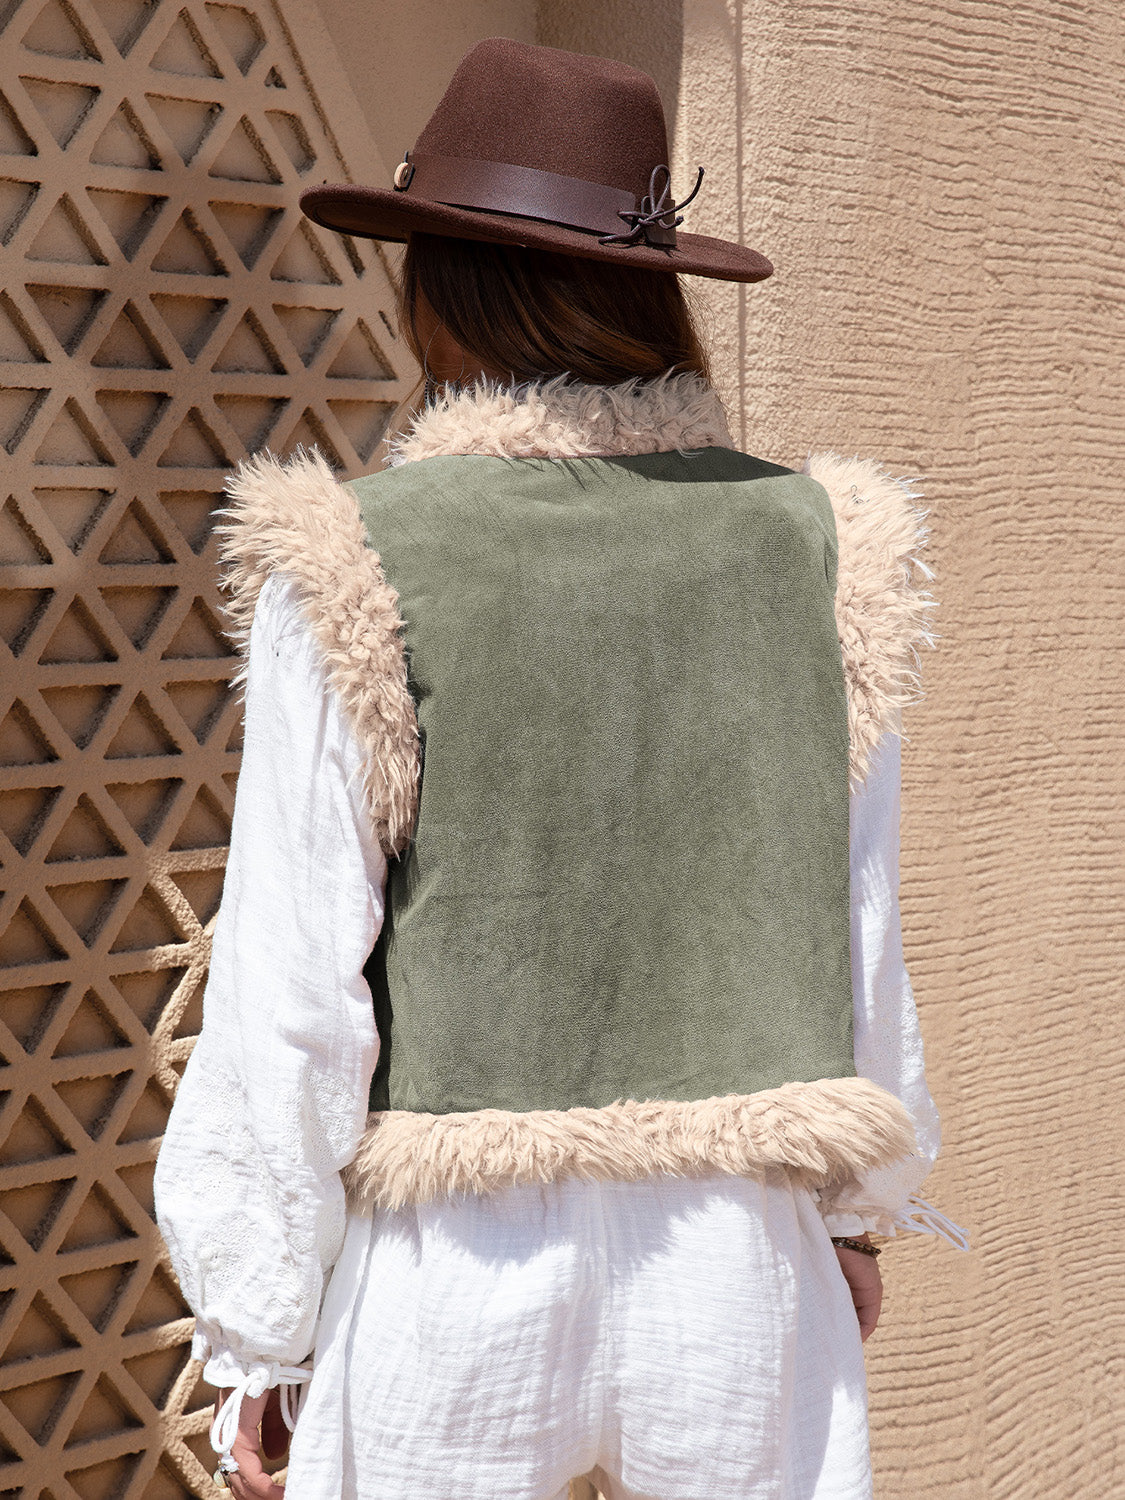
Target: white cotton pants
676, 1339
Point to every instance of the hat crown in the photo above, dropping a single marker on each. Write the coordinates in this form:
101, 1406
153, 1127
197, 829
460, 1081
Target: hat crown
555, 111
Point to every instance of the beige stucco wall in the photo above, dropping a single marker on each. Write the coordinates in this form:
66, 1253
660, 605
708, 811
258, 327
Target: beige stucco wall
940, 189
399, 55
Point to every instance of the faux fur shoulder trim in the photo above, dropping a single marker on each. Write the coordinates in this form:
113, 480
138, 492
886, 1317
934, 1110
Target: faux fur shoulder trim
882, 604
568, 419
823, 1133
296, 518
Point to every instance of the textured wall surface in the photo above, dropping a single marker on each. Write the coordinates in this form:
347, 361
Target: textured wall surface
940, 188
648, 34
399, 55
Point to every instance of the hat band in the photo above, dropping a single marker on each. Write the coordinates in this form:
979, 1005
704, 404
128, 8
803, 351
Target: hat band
526, 193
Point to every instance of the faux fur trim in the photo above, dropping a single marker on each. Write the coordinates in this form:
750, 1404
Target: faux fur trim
823, 1133
882, 604
296, 518
568, 419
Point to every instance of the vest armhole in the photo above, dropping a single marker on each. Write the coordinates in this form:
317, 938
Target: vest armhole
882, 601
294, 517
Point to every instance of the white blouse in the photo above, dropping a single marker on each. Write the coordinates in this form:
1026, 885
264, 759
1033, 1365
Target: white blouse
274, 1098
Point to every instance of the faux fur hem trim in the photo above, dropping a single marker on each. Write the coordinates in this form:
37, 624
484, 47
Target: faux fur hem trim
562, 418
882, 604
823, 1133
295, 518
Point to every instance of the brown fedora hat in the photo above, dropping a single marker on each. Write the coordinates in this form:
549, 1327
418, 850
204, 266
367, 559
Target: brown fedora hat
539, 147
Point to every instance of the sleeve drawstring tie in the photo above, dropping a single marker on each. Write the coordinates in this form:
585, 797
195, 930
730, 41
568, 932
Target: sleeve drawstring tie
289, 1378
924, 1217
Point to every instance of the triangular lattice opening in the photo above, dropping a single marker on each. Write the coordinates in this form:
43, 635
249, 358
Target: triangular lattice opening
174, 312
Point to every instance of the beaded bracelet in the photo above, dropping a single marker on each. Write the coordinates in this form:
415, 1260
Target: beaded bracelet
843, 1239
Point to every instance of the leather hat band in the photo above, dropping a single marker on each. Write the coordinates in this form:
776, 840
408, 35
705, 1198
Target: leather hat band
526, 192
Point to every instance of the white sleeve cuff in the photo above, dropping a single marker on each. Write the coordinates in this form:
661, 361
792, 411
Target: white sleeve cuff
244, 1381
915, 1216
223, 1369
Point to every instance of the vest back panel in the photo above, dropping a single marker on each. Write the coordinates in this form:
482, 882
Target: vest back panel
629, 876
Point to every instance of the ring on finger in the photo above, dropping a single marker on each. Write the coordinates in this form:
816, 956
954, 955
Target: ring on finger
227, 1467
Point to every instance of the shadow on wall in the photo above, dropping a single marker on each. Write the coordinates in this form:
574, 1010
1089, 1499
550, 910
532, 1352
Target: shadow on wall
649, 34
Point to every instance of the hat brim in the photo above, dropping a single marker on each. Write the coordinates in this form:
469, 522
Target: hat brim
383, 214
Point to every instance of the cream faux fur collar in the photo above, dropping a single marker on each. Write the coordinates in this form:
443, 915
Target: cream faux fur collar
567, 419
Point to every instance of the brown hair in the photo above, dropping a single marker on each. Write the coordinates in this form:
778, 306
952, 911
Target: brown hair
539, 313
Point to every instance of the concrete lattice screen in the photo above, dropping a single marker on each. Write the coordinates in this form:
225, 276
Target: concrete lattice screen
164, 311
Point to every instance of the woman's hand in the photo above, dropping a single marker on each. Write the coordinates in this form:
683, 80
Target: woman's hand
264, 1413
864, 1281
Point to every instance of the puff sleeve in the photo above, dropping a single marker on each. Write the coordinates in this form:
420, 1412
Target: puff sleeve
887, 1036
274, 1098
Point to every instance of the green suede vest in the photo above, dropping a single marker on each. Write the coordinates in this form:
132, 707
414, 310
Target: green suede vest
629, 876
